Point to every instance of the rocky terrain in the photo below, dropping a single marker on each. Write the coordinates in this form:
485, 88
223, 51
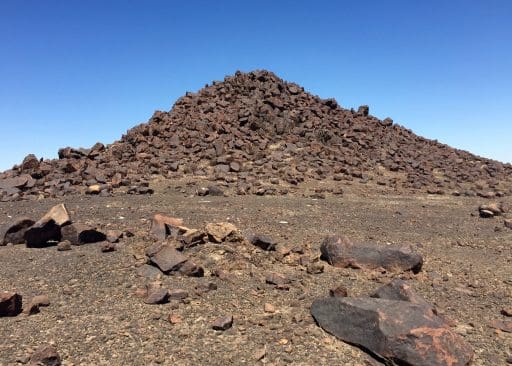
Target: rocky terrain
251, 132
255, 223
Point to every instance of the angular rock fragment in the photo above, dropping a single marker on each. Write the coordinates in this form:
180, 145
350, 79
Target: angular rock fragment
400, 290
508, 223
168, 259
223, 323
339, 291
78, 234
222, 231
45, 356
400, 331
108, 247
503, 325
157, 296
15, 232
64, 246
47, 229
262, 241
341, 252
10, 303
113, 236
162, 226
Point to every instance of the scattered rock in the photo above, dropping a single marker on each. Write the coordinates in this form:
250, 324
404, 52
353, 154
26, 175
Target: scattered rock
506, 312
503, 325
341, 252
156, 296
269, 308
15, 233
113, 236
107, 247
10, 303
174, 319
508, 223
400, 290
315, 268
64, 245
47, 230
262, 241
400, 331
78, 234
168, 259
223, 323
280, 281
222, 231
148, 271
161, 226
339, 291
45, 356
178, 294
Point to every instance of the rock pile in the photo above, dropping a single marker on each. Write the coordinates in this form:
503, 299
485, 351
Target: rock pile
253, 129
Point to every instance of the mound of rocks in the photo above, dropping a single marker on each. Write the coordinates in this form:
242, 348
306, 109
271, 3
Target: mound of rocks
251, 129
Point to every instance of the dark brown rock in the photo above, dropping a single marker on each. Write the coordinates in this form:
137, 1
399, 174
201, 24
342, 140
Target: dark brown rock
503, 325
223, 323
399, 290
339, 291
43, 233
401, 331
157, 296
10, 303
168, 259
262, 241
108, 247
45, 356
15, 232
341, 252
78, 234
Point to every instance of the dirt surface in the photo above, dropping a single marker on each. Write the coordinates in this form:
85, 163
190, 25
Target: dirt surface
95, 318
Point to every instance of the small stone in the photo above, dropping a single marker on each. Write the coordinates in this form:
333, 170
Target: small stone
31, 309
315, 268
223, 323
157, 296
94, 189
168, 259
269, 308
339, 291
162, 226
10, 303
45, 356
174, 319
486, 214
277, 279
79, 234
41, 300
113, 236
107, 247
64, 245
506, 312
178, 294
222, 231
508, 223
262, 241
148, 271
505, 326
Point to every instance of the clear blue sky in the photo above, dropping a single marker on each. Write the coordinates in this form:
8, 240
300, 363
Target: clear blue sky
76, 72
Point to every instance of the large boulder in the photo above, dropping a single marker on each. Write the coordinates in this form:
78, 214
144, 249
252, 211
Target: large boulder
399, 331
339, 251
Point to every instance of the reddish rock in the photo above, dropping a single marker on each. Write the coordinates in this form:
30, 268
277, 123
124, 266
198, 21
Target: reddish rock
341, 252
503, 325
45, 356
107, 247
10, 304
399, 290
47, 230
223, 323
168, 259
156, 296
161, 226
113, 236
339, 291
401, 331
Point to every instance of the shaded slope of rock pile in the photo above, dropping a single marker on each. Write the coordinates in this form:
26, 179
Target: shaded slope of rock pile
254, 128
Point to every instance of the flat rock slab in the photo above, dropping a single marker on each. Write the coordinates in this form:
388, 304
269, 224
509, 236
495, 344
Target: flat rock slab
401, 331
168, 259
10, 304
339, 251
47, 356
